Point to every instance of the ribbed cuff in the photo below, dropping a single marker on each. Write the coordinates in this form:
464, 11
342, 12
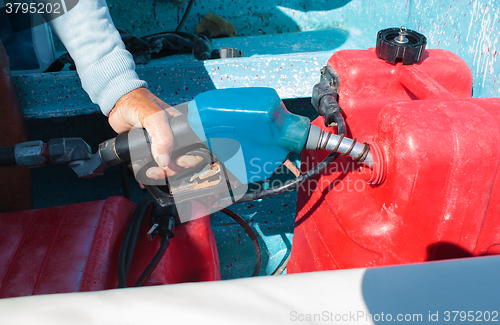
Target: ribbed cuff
109, 79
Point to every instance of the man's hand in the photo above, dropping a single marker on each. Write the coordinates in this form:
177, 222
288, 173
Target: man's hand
140, 108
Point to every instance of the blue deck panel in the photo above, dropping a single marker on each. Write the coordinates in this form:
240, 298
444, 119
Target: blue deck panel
289, 63
272, 220
282, 60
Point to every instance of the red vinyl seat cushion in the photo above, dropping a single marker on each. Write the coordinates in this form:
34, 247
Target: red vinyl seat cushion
75, 248
62, 249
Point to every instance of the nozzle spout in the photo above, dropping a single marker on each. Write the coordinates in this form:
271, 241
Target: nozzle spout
321, 140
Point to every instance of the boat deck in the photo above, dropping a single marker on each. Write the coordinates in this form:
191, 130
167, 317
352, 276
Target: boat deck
285, 44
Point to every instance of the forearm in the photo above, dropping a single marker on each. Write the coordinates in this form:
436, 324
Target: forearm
108, 75
106, 69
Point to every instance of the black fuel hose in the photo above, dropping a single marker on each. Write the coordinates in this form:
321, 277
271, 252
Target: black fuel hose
165, 241
288, 186
130, 239
251, 234
184, 17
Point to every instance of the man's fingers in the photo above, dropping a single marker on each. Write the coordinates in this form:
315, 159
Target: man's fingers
155, 173
162, 140
140, 108
188, 161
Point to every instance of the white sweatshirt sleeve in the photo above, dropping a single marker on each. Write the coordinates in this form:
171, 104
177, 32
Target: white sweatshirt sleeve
106, 68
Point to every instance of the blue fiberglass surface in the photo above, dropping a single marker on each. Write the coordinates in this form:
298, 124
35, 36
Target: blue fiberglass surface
252, 122
285, 44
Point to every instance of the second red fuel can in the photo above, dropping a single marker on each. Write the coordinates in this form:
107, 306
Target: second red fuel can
440, 194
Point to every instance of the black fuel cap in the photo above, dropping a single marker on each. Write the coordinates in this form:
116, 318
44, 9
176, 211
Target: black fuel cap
400, 44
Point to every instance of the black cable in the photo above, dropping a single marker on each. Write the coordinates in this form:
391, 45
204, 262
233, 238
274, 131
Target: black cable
7, 157
122, 275
123, 175
165, 241
282, 267
339, 119
123, 255
251, 234
141, 210
292, 184
184, 18
130, 239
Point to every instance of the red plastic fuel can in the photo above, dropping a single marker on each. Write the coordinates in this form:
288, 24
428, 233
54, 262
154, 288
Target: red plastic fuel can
441, 151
